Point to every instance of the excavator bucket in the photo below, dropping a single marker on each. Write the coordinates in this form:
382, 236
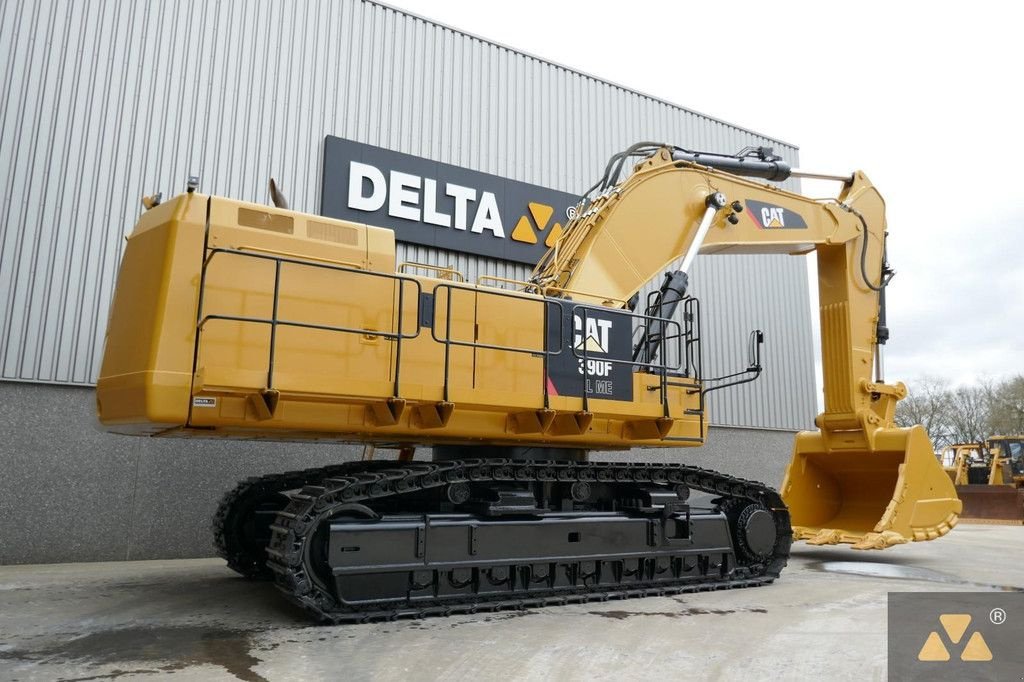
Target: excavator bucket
871, 498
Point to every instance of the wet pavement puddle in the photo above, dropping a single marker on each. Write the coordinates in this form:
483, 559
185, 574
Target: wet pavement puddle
873, 569
150, 650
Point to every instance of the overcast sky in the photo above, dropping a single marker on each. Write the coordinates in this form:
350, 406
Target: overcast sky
927, 101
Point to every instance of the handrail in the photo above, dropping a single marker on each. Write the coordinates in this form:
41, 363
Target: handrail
494, 278
496, 291
274, 321
662, 366
448, 341
546, 290
289, 254
631, 362
694, 360
477, 344
306, 325
673, 331
448, 270
303, 260
691, 315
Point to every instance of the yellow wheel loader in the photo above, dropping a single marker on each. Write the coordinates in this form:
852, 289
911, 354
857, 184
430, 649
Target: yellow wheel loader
962, 461
989, 479
236, 320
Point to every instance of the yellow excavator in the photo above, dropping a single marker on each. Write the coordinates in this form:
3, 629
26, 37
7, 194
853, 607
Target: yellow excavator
237, 320
989, 478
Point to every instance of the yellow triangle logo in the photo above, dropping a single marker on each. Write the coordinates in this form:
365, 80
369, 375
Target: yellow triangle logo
933, 649
955, 625
976, 649
523, 232
553, 236
775, 223
541, 214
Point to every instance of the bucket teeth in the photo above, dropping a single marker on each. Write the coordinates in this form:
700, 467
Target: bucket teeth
880, 540
825, 536
832, 536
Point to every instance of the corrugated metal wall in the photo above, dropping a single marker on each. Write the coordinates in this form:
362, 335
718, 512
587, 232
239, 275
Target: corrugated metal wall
105, 101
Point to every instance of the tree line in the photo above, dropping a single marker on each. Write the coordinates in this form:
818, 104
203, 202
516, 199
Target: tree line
964, 414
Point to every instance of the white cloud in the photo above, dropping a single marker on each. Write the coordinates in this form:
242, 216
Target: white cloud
924, 97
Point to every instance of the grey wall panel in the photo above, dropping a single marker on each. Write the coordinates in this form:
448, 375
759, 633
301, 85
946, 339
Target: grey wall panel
70, 492
109, 100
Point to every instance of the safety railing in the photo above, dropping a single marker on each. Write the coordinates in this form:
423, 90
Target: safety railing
694, 365
543, 351
655, 339
660, 368
680, 336
275, 321
684, 339
444, 271
691, 319
562, 291
495, 282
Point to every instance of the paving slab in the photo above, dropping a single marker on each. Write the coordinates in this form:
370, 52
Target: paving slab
195, 620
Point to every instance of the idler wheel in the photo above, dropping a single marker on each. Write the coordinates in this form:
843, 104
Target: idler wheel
755, 532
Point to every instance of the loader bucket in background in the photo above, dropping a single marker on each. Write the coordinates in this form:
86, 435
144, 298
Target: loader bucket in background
997, 504
870, 499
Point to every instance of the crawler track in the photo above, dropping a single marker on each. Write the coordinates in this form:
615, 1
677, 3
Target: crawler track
412, 504
241, 526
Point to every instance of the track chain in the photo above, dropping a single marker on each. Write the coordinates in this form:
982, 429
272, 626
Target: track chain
243, 555
292, 531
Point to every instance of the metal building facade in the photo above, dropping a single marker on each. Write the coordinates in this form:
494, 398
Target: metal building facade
103, 102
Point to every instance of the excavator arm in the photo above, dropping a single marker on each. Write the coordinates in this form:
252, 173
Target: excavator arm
858, 478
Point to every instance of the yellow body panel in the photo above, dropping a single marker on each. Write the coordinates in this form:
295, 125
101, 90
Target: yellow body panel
146, 377
364, 384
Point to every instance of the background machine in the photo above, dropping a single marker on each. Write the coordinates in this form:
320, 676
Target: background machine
989, 478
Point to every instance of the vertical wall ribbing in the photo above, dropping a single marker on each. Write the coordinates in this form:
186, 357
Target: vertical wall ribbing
105, 101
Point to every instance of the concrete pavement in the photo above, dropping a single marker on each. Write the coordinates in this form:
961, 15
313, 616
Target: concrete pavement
195, 620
